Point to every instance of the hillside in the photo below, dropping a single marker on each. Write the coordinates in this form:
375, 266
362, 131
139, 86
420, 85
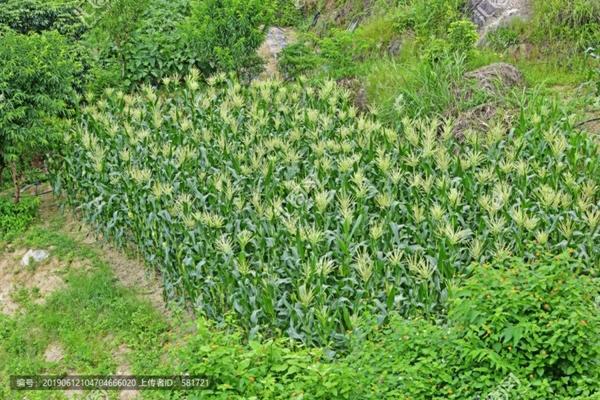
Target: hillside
361, 199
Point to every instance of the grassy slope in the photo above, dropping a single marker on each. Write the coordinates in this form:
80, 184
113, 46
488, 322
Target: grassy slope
548, 56
92, 319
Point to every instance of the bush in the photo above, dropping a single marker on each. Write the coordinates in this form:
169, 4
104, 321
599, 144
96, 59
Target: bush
428, 18
16, 217
336, 56
265, 370
502, 38
462, 36
436, 51
224, 35
116, 23
298, 59
286, 13
535, 319
341, 52
157, 48
26, 16
36, 86
529, 325
523, 330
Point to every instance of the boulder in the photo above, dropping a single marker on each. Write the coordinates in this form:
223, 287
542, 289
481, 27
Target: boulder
495, 80
35, 256
497, 76
492, 14
277, 39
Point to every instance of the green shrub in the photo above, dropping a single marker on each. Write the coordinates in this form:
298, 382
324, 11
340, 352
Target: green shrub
460, 40
16, 217
36, 87
341, 52
428, 18
225, 34
116, 23
409, 359
266, 370
157, 48
462, 36
538, 320
26, 16
502, 38
299, 59
286, 13
530, 325
523, 330
436, 50
338, 55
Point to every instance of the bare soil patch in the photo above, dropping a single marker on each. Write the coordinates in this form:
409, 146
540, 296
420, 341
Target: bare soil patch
54, 353
42, 278
128, 269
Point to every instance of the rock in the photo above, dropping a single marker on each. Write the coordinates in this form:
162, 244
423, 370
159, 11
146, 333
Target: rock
478, 119
494, 80
277, 40
497, 76
394, 47
492, 14
35, 255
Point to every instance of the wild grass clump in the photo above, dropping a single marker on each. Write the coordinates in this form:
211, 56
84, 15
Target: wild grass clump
281, 205
15, 217
571, 22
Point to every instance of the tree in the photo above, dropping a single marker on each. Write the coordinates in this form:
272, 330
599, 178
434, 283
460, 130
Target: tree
36, 86
118, 20
25, 16
225, 34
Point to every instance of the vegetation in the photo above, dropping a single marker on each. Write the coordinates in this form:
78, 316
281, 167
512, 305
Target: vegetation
225, 34
384, 223
295, 220
27, 16
499, 336
14, 218
90, 319
36, 87
501, 332
118, 22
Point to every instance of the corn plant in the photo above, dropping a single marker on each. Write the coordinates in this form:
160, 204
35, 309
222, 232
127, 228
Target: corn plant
281, 205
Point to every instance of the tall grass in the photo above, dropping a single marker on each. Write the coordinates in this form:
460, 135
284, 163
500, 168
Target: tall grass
420, 89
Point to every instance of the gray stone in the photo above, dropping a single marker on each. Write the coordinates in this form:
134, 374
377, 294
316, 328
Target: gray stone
277, 39
35, 256
394, 47
492, 14
496, 77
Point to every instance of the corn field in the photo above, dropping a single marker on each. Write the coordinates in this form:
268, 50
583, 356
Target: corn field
282, 207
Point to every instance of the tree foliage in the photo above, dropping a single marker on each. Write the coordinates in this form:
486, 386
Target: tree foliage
25, 16
36, 77
225, 34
